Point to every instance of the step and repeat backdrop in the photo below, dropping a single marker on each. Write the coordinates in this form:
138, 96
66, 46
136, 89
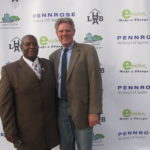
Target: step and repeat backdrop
120, 32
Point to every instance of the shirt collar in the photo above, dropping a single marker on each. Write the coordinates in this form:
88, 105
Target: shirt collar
69, 47
30, 62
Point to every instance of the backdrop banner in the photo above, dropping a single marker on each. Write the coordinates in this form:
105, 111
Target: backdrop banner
120, 32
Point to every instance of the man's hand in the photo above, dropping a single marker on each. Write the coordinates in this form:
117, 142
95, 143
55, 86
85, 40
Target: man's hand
93, 119
11, 139
14, 140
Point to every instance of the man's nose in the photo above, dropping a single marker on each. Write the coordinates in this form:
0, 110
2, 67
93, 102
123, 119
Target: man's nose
33, 45
64, 32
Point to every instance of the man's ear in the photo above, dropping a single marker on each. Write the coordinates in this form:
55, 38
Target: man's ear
74, 32
21, 47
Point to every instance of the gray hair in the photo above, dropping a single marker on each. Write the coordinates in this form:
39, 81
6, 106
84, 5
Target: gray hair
64, 20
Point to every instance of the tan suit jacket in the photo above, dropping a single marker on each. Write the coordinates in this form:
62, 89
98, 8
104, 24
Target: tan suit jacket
27, 105
84, 84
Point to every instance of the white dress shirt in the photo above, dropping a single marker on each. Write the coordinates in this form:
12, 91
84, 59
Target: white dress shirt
37, 70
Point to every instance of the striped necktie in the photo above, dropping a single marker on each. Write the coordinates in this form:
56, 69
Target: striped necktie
64, 75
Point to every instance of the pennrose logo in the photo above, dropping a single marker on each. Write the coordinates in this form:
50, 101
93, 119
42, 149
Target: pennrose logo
133, 135
133, 89
51, 16
133, 39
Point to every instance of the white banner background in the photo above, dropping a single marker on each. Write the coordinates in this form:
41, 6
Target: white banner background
119, 29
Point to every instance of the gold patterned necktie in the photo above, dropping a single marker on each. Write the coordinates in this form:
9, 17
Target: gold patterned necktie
37, 69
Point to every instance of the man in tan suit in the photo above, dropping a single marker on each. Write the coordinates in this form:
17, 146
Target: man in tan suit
79, 88
27, 100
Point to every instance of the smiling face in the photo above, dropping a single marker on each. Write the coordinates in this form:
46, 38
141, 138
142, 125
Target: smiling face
65, 34
29, 47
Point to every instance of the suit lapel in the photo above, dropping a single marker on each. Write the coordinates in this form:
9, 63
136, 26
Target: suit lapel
43, 69
74, 57
57, 63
